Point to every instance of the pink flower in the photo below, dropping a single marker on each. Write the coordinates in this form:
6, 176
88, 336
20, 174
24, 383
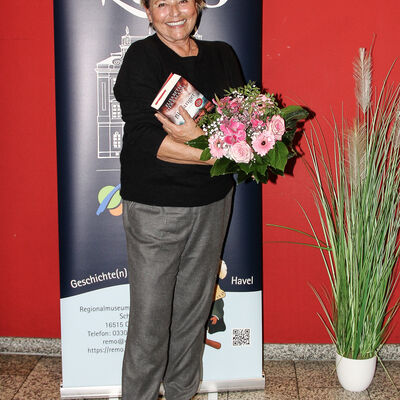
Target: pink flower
234, 131
241, 152
221, 104
234, 105
261, 102
255, 123
216, 144
263, 142
277, 126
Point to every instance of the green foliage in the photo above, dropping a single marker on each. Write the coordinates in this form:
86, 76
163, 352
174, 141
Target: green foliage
200, 142
358, 203
205, 155
223, 166
278, 157
292, 114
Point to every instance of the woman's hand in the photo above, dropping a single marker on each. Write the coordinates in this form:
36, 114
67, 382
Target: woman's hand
180, 133
179, 153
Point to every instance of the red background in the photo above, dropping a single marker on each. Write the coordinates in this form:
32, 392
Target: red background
308, 49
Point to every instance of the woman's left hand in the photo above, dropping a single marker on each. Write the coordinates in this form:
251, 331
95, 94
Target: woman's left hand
180, 133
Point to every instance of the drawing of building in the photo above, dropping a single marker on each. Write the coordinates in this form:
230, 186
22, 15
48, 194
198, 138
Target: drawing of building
109, 122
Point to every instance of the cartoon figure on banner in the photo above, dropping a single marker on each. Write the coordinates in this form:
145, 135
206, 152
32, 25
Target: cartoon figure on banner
216, 322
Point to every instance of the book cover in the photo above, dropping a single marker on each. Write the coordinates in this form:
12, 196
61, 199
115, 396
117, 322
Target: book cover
177, 91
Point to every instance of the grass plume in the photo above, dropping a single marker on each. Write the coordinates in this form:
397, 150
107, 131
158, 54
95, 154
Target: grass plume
357, 198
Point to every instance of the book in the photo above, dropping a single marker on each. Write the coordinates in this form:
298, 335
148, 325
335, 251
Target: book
177, 91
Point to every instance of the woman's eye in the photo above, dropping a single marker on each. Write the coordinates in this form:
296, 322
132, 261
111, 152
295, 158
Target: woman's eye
160, 4
183, 1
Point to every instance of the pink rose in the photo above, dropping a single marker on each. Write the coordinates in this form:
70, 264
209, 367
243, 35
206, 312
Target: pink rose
234, 131
263, 142
216, 145
277, 126
241, 152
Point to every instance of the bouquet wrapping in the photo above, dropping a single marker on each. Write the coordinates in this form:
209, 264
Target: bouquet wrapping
248, 134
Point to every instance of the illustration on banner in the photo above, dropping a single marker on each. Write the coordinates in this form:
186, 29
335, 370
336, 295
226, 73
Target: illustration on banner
216, 321
109, 121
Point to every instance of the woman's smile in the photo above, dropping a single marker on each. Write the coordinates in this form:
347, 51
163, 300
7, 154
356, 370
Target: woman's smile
177, 23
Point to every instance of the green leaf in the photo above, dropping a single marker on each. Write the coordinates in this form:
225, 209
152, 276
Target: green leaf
242, 176
245, 167
278, 156
205, 155
293, 112
260, 177
200, 142
223, 166
261, 168
277, 171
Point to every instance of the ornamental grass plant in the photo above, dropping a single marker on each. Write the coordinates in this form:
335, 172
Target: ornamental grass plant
357, 196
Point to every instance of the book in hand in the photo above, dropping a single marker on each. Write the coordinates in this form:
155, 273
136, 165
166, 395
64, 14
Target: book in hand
177, 91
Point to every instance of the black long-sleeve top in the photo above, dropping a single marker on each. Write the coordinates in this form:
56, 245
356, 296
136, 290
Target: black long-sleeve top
146, 65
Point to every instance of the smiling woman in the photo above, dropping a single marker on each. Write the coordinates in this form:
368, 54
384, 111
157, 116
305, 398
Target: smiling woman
175, 215
174, 21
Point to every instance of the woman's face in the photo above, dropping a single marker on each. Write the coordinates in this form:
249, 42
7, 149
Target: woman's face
173, 20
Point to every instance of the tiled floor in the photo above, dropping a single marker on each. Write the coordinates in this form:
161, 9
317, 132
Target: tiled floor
25, 377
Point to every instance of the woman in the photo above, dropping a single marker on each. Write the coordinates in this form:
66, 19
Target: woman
175, 214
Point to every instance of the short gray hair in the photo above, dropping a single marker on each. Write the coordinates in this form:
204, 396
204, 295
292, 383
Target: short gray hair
200, 4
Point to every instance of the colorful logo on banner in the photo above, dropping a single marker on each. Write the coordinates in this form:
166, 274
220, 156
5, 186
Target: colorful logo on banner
142, 14
109, 199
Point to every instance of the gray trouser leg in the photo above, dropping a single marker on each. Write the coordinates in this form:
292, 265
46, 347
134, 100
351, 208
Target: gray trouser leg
173, 257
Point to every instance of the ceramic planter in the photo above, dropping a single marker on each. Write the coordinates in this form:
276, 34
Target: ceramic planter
355, 375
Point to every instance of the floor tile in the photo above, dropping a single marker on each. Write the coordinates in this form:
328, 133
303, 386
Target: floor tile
43, 382
279, 368
330, 393
316, 374
25, 377
386, 392
392, 368
383, 387
9, 385
281, 388
247, 395
13, 364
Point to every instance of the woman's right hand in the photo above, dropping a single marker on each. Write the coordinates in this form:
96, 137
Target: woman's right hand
180, 133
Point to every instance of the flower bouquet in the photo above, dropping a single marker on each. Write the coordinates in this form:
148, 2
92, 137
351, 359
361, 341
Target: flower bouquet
248, 134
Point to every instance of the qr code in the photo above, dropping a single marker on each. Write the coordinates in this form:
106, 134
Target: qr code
240, 337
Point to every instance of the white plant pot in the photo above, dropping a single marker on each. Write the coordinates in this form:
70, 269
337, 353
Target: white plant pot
355, 375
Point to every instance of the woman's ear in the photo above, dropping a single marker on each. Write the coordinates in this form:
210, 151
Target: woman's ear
148, 13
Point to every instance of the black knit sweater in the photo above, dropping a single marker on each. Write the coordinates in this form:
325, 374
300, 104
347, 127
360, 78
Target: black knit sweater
147, 64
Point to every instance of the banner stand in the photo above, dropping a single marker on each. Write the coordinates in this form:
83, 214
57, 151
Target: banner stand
91, 39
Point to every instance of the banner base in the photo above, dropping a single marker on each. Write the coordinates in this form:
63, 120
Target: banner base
114, 392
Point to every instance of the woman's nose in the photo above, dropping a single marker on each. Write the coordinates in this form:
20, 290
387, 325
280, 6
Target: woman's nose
174, 10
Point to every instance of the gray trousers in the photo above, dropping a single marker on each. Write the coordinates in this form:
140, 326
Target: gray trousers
173, 255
